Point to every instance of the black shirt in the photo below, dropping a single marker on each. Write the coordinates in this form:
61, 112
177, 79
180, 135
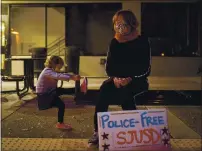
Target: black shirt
129, 59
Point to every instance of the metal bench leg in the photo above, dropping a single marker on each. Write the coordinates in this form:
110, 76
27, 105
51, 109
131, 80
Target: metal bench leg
17, 88
20, 95
61, 84
77, 91
25, 85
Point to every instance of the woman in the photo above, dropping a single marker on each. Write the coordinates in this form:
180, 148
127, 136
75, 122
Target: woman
128, 66
47, 91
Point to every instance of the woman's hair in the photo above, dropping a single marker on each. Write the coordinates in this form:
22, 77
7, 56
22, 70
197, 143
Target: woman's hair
53, 61
128, 16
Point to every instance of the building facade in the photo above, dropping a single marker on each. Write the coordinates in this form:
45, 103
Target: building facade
174, 28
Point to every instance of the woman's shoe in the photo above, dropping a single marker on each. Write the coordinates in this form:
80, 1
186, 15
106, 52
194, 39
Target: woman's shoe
94, 140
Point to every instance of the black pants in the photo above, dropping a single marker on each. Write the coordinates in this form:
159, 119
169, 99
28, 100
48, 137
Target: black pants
52, 99
124, 96
57, 102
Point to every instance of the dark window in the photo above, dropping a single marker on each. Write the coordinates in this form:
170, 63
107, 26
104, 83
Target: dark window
171, 27
92, 22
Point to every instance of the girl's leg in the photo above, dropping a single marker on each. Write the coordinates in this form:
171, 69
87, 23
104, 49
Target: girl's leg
61, 91
61, 110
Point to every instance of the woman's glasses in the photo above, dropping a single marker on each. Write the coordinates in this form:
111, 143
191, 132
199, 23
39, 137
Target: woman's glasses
120, 27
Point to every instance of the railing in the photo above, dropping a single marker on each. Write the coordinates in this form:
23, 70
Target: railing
57, 46
55, 41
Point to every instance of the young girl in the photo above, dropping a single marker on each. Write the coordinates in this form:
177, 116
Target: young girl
128, 66
47, 91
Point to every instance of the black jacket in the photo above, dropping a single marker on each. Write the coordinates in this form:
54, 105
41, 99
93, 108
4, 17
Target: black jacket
129, 59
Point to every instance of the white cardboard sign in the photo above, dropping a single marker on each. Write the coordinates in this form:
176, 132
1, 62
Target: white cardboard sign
137, 129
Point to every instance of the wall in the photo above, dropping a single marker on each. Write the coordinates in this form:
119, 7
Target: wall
75, 27
135, 7
55, 23
161, 66
79, 1
200, 27
18, 66
30, 23
93, 38
99, 32
95, 30
91, 30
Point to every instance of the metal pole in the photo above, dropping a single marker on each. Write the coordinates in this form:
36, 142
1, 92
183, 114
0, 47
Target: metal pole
9, 32
8, 46
188, 20
46, 24
200, 29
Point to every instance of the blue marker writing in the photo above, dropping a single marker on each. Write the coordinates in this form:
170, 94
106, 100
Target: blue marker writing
125, 123
151, 120
104, 118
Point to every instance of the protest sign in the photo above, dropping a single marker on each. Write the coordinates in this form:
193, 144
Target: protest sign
137, 129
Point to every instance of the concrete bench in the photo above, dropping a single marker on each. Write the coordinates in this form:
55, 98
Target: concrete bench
157, 87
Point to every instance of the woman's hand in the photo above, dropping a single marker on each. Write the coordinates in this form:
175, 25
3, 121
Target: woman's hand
117, 82
125, 81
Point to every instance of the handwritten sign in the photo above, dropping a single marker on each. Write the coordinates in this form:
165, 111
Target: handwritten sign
138, 129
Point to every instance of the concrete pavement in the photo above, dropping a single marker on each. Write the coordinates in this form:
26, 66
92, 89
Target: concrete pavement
26, 128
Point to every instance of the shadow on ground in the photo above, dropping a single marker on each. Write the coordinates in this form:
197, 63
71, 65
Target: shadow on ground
29, 122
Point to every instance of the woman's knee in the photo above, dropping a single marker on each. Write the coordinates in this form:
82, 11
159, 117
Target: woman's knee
103, 94
107, 86
61, 105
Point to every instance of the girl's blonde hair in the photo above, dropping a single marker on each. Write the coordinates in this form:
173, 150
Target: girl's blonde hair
53, 61
128, 16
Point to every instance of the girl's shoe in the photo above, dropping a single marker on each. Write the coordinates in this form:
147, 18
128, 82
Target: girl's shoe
63, 126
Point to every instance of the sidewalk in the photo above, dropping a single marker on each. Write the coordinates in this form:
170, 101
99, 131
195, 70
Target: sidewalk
49, 144
26, 128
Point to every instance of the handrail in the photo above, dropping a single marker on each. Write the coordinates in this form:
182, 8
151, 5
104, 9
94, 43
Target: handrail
58, 39
57, 44
56, 48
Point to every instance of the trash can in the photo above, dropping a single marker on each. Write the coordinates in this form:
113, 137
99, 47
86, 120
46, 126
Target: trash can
72, 54
39, 64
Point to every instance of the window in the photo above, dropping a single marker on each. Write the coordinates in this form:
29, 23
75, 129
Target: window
172, 28
4, 35
27, 29
92, 22
56, 30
